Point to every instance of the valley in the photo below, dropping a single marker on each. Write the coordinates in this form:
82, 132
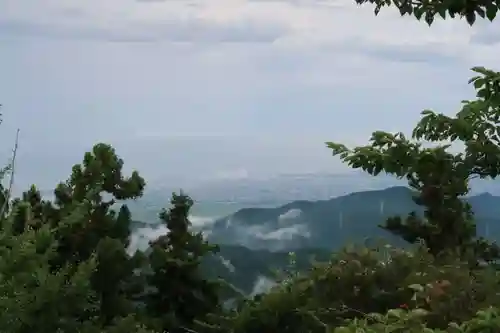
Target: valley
255, 242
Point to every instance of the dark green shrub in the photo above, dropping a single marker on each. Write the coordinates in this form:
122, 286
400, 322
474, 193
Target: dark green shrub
359, 281
399, 321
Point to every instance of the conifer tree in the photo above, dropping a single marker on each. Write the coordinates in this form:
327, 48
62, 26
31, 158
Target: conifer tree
35, 298
46, 289
180, 295
31, 211
88, 196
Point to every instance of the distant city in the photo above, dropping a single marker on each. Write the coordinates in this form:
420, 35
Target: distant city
290, 187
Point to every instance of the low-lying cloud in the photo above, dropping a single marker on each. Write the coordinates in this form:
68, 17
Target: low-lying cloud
262, 285
142, 236
292, 214
286, 231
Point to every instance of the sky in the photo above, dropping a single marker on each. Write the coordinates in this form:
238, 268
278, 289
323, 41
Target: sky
188, 90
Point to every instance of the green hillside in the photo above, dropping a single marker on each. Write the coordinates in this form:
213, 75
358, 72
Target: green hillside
339, 221
243, 267
245, 257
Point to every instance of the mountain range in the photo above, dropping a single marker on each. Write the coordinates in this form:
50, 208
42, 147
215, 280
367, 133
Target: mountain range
334, 223
255, 241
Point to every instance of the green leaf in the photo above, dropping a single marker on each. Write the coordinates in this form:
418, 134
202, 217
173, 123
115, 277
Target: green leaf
480, 12
472, 79
418, 12
416, 287
483, 93
419, 312
442, 12
429, 18
480, 70
491, 12
336, 148
396, 313
471, 18
377, 317
479, 83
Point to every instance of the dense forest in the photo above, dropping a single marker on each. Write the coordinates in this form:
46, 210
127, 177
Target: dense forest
64, 265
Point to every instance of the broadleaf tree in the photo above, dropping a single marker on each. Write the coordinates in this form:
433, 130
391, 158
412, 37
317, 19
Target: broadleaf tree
439, 175
428, 10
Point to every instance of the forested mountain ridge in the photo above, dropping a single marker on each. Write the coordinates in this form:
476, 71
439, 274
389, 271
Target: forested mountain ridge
336, 222
255, 242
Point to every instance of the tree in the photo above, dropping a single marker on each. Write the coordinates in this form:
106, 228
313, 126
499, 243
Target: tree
439, 176
32, 291
5, 200
85, 225
35, 297
451, 8
31, 211
93, 188
180, 296
63, 267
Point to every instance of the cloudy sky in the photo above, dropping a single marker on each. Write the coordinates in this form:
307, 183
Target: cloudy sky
220, 88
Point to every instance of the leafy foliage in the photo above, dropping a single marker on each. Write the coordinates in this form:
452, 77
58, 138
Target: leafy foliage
440, 177
29, 288
360, 280
399, 320
468, 9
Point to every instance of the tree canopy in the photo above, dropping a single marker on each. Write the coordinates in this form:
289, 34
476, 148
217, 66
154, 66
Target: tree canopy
428, 10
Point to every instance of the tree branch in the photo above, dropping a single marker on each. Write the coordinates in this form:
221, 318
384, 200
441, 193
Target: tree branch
12, 173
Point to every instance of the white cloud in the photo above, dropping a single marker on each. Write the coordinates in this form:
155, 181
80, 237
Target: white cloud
141, 237
262, 285
284, 23
205, 87
227, 263
282, 234
289, 215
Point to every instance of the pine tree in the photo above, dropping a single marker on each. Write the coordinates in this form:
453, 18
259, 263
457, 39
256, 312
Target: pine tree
85, 224
31, 211
180, 295
35, 298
